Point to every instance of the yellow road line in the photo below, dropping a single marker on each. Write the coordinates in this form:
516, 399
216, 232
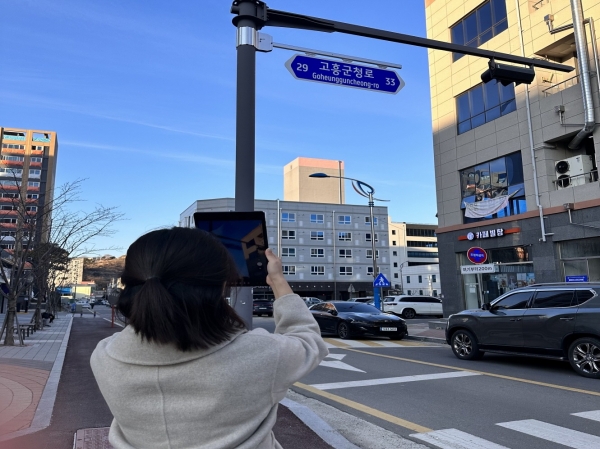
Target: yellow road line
500, 376
365, 409
333, 342
374, 344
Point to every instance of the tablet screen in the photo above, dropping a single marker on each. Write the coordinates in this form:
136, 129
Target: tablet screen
244, 234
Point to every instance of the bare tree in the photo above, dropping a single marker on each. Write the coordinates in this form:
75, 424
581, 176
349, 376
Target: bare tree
44, 238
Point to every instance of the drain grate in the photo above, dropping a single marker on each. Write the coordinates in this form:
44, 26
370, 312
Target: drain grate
94, 438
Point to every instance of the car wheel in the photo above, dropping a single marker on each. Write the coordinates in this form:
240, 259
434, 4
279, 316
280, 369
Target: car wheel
464, 345
584, 356
409, 314
343, 331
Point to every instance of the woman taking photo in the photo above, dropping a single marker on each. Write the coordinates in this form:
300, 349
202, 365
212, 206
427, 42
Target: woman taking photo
185, 372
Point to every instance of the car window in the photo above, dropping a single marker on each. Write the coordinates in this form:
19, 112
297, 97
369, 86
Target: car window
317, 307
357, 307
553, 298
584, 295
515, 301
407, 300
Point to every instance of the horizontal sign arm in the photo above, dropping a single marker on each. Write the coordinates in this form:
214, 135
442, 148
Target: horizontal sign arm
291, 20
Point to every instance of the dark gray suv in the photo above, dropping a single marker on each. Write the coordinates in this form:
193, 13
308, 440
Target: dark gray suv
545, 320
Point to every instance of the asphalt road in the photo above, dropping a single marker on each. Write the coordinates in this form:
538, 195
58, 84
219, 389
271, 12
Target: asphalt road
507, 402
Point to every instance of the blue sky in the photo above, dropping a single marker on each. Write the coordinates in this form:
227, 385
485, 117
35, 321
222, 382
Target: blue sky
142, 96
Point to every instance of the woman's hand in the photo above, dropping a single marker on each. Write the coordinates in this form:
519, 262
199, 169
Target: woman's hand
275, 276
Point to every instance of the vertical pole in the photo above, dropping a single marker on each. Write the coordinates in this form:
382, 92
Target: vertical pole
248, 21
335, 274
376, 292
340, 176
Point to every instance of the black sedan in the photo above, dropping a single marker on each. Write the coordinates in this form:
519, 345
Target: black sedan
262, 307
351, 319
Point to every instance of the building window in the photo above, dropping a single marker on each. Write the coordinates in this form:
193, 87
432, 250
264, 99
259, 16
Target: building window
33, 184
489, 180
317, 235
433, 278
317, 252
288, 252
394, 243
36, 159
409, 292
370, 270
368, 221
395, 264
480, 26
11, 172
288, 217
422, 255
420, 279
395, 275
484, 103
420, 292
394, 253
435, 293
288, 235
345, 271
393, 232
289, 269
344, 219
419, 244
370, 254
408, 279
344, 236
31, 208
416, 232
317, 270
368, 237
345, 253
317, 218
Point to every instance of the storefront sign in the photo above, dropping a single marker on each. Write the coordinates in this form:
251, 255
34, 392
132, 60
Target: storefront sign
474, 269
477, 255
582, 278
488, 233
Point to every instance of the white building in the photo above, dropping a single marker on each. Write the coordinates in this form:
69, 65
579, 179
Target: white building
73, 275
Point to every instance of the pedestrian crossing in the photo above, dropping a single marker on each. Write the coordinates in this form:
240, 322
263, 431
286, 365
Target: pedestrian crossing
457, 439
338, 343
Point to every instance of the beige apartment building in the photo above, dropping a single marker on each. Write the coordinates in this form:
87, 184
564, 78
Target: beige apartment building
27, 170
298, 186
516, 166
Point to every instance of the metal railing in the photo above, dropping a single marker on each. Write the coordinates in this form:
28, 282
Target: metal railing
570, 181
555, 88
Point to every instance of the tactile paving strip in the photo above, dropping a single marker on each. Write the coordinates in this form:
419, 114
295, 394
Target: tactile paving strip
94, 438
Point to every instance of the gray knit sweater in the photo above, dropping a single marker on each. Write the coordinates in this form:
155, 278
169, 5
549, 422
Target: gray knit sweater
222, 397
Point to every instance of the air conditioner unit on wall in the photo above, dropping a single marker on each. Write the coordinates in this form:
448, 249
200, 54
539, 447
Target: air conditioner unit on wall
573, 171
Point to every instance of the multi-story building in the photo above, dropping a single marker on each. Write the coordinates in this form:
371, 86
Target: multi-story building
73, 275
516, 166
326, 249
299, 186
27, 173
414, 258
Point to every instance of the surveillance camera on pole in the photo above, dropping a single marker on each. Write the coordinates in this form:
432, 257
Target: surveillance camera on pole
507, 74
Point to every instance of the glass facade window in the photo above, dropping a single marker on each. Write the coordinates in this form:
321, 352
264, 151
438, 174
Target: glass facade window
581, 258
317, 235
288, 217
368, 221
368, 237
417, 232
288, 235
344, 236
345, 271
345, 253
484, 103
317, 218
317, 252
417, 244
502, 176
317, 270
421, 254
289, 269
487, 21
344, 219
288, 252
370, 254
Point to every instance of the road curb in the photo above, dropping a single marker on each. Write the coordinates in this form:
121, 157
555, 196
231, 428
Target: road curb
427, 339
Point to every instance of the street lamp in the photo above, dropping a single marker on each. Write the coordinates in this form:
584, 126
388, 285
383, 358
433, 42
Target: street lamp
401, 279
359, 187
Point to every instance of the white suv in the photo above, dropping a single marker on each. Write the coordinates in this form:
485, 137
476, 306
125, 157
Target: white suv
409, 306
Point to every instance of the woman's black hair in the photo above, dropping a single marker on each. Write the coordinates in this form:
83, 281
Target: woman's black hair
175, 283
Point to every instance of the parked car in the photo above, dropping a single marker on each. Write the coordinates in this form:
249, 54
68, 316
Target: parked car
83, 304
310, 301
350, 319
262, 307
559, 321
409, 306
365, 299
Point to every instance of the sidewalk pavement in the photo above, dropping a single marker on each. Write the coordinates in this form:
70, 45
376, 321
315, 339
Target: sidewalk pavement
432, 331
49, 398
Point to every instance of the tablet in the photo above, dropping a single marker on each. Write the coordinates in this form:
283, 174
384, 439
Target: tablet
244, 234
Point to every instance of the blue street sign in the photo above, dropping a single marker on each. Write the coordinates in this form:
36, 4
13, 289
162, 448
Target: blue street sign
330, 71
582, 278
381, 281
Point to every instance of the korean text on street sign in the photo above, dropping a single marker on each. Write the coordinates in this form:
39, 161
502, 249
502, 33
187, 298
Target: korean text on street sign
381, 281
484, 268
329, 71
581, 278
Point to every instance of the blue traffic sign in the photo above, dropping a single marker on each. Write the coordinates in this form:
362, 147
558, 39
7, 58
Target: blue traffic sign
381, 281
582, 278
330, 71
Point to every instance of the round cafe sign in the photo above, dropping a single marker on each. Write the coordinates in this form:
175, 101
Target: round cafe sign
477, 255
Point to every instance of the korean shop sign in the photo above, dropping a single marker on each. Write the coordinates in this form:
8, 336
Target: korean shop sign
491, 233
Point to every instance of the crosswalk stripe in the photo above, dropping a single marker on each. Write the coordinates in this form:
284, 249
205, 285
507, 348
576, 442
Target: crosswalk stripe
392, 380
338, 343
335, 343
455, 439
553, 433
593, 415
